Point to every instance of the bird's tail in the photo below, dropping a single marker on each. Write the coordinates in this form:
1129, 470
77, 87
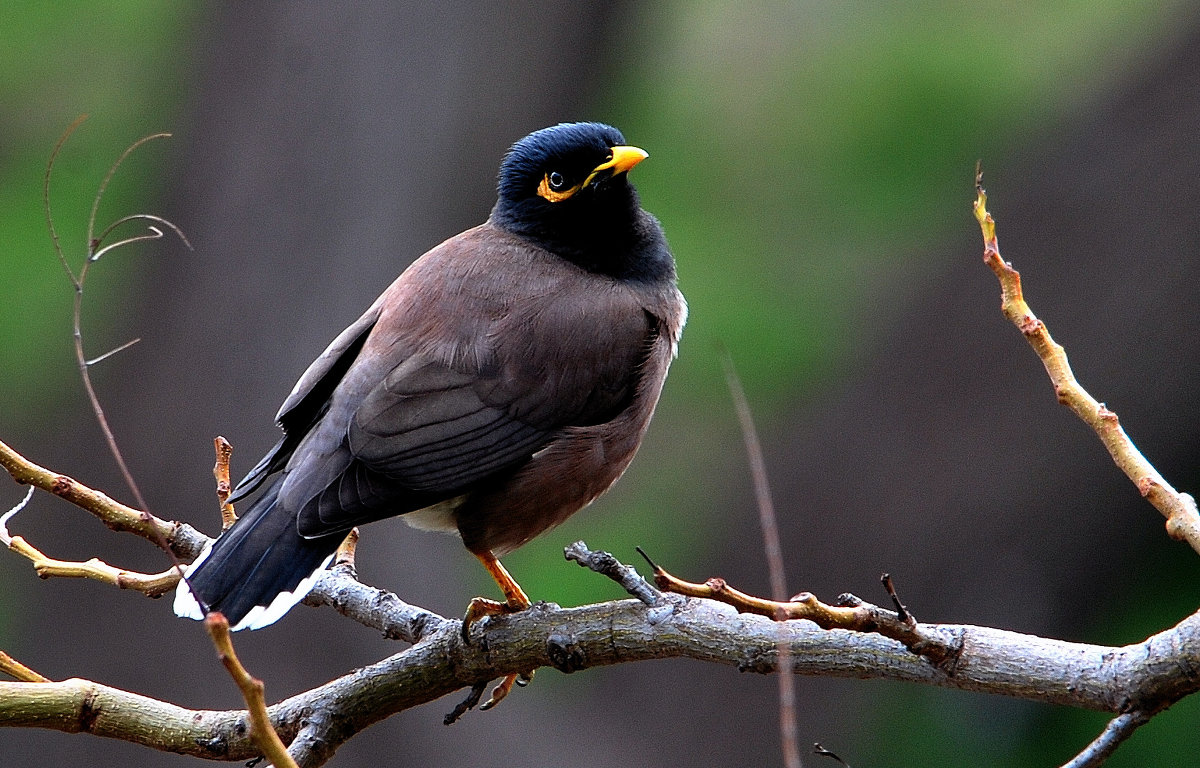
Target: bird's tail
258, 569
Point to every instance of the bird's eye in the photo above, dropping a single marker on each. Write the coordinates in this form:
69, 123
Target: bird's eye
557, 182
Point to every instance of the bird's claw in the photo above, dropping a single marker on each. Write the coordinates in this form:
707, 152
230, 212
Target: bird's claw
480, 608
505, 687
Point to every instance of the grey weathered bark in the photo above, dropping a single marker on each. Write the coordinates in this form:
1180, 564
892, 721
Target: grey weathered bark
1133, 681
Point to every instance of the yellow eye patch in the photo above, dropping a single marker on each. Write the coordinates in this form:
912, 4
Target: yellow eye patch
553, 196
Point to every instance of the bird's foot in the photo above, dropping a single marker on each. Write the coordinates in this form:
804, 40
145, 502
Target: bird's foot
481, 607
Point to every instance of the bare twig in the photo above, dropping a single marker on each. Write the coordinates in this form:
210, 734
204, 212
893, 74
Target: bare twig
179, 538
1114, 734
62, 259
939, 647
156, 233
151, 585
789, 745
18, 671
94, 242
252, 689
762, 487
1183, 520
46, 567
113, 351
605, 564
94, 251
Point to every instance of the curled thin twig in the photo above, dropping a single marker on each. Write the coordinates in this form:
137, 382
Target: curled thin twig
112, 171
139, 217
96, 249
155, 234
62, 259
5, 537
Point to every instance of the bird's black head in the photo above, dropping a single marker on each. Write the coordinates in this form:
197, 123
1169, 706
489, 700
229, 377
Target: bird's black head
565, 188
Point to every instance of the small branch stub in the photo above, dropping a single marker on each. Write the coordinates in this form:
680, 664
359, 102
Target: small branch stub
18, 671
224, 452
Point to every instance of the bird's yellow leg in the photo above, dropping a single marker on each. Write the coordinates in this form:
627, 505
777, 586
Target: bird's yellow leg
515, 597
515, 600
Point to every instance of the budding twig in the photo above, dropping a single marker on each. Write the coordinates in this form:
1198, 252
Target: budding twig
1183, 520
261, 730
940, 647
18, 671
224, 487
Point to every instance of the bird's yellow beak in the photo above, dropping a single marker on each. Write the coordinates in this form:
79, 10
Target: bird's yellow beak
623, 158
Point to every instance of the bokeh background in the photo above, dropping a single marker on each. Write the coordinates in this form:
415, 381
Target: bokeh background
812, 164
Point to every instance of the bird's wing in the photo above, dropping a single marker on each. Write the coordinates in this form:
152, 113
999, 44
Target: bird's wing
438, 423
309, 400
443, 419
427, 427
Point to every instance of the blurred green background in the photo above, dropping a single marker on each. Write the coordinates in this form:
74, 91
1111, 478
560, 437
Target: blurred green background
812, 165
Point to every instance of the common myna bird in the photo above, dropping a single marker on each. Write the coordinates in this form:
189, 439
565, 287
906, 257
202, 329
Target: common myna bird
498, 386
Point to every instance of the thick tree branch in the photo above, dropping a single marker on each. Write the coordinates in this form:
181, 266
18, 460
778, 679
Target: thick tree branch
1139, 677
